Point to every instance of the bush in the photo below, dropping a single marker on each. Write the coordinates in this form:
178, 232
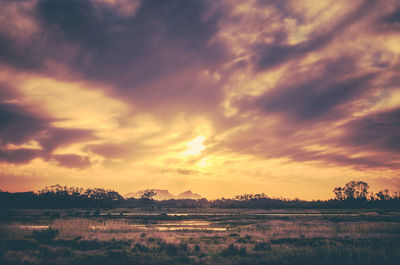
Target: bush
19, 244
152, 240
55, 215
262, 246
197, 247
184, 247
85, 245
139, 248
233, 250
45, 236
169, 249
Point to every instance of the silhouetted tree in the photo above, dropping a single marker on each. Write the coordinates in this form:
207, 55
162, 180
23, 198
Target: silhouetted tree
353, 190
338, 193
383, 195
148, 194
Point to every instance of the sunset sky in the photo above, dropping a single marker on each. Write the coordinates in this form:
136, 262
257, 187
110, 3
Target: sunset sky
222, 97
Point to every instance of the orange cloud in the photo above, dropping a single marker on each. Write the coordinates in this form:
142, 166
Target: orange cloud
289, 97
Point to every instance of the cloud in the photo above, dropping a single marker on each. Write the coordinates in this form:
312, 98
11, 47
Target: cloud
377, 131
72, 160
7, 93
17, 125
394, 17
156, 57
19, 156
53, 138
301, 85
315, 97
271, 55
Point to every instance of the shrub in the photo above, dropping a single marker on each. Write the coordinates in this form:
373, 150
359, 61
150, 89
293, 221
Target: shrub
241, 240
116, 244
184, 247
233, 250
245, 239
85, 245
262, 246
139, 248
45, 236
197, 247
55, 215
169, 249
152, 240
19, 244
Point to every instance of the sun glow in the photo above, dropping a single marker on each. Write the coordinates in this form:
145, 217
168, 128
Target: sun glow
195, 147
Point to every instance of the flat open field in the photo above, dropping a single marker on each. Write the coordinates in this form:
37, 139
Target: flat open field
206, 236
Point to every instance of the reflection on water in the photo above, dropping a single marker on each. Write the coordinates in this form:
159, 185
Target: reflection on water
191, 225
162, 214
188, 228
171, 226
125, 225
307, 214
32, 227
225, 214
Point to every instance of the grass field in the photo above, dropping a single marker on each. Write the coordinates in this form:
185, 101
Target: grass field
129, 236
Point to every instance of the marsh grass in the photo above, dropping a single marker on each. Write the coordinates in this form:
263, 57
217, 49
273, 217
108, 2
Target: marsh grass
121, 240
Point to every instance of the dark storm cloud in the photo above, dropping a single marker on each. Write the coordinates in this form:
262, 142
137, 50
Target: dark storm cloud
380, 131
271, 55
72, 160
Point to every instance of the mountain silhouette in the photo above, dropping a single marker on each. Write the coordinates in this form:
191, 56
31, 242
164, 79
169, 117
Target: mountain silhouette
165, 195
188, 195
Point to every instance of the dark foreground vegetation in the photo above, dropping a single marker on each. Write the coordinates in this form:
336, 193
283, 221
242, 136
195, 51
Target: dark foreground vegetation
353, 195
299, 251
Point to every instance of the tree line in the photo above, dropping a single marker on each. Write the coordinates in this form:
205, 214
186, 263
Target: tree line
61, 197
354, 194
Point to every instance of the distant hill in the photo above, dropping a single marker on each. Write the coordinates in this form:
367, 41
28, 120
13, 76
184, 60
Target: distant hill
165, 195
160, 194
188, 195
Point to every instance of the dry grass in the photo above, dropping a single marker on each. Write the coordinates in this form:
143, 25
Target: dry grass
280, 239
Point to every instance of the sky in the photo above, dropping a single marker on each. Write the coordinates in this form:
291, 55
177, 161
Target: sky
222, 97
